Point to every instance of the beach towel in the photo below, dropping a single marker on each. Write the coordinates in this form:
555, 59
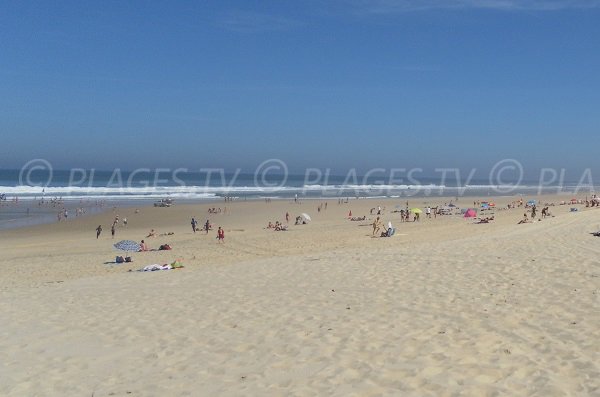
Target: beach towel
155, 267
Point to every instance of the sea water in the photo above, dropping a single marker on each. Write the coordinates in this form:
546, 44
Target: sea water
39, 197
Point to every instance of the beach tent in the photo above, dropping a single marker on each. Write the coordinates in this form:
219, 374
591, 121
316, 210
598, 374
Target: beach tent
485, 205
416, 211
451, 205
531, 202
470, 213
306, 217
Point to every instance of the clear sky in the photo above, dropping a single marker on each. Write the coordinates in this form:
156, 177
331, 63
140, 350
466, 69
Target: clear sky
316, 83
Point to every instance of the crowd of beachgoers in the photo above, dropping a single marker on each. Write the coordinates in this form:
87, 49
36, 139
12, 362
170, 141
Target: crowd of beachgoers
481, 211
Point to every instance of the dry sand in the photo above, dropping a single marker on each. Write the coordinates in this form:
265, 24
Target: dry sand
443, 308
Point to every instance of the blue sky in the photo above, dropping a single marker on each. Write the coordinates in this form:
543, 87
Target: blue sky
316, 83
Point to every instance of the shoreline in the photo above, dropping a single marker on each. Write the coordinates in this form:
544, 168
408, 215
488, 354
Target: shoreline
49, 216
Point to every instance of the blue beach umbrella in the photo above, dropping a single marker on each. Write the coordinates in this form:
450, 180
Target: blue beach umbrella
127, 245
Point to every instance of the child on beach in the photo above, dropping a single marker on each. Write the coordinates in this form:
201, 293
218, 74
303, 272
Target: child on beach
221, 235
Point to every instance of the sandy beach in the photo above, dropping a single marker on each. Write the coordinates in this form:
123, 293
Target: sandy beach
445, 307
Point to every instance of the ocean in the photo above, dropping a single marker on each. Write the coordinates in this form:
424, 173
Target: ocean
36, 196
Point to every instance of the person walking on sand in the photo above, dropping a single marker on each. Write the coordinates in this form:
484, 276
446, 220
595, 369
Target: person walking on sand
287, 217
112, 230
98, 231
194, 223
376, 225
207, 226
221, 235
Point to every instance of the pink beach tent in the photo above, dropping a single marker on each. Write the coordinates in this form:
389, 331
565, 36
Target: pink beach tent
471, 213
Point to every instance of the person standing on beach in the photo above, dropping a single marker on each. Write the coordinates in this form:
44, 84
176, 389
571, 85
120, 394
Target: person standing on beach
221, 235
194, 223
112, 230
287, 217
207, 226
376, 226
98, 231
